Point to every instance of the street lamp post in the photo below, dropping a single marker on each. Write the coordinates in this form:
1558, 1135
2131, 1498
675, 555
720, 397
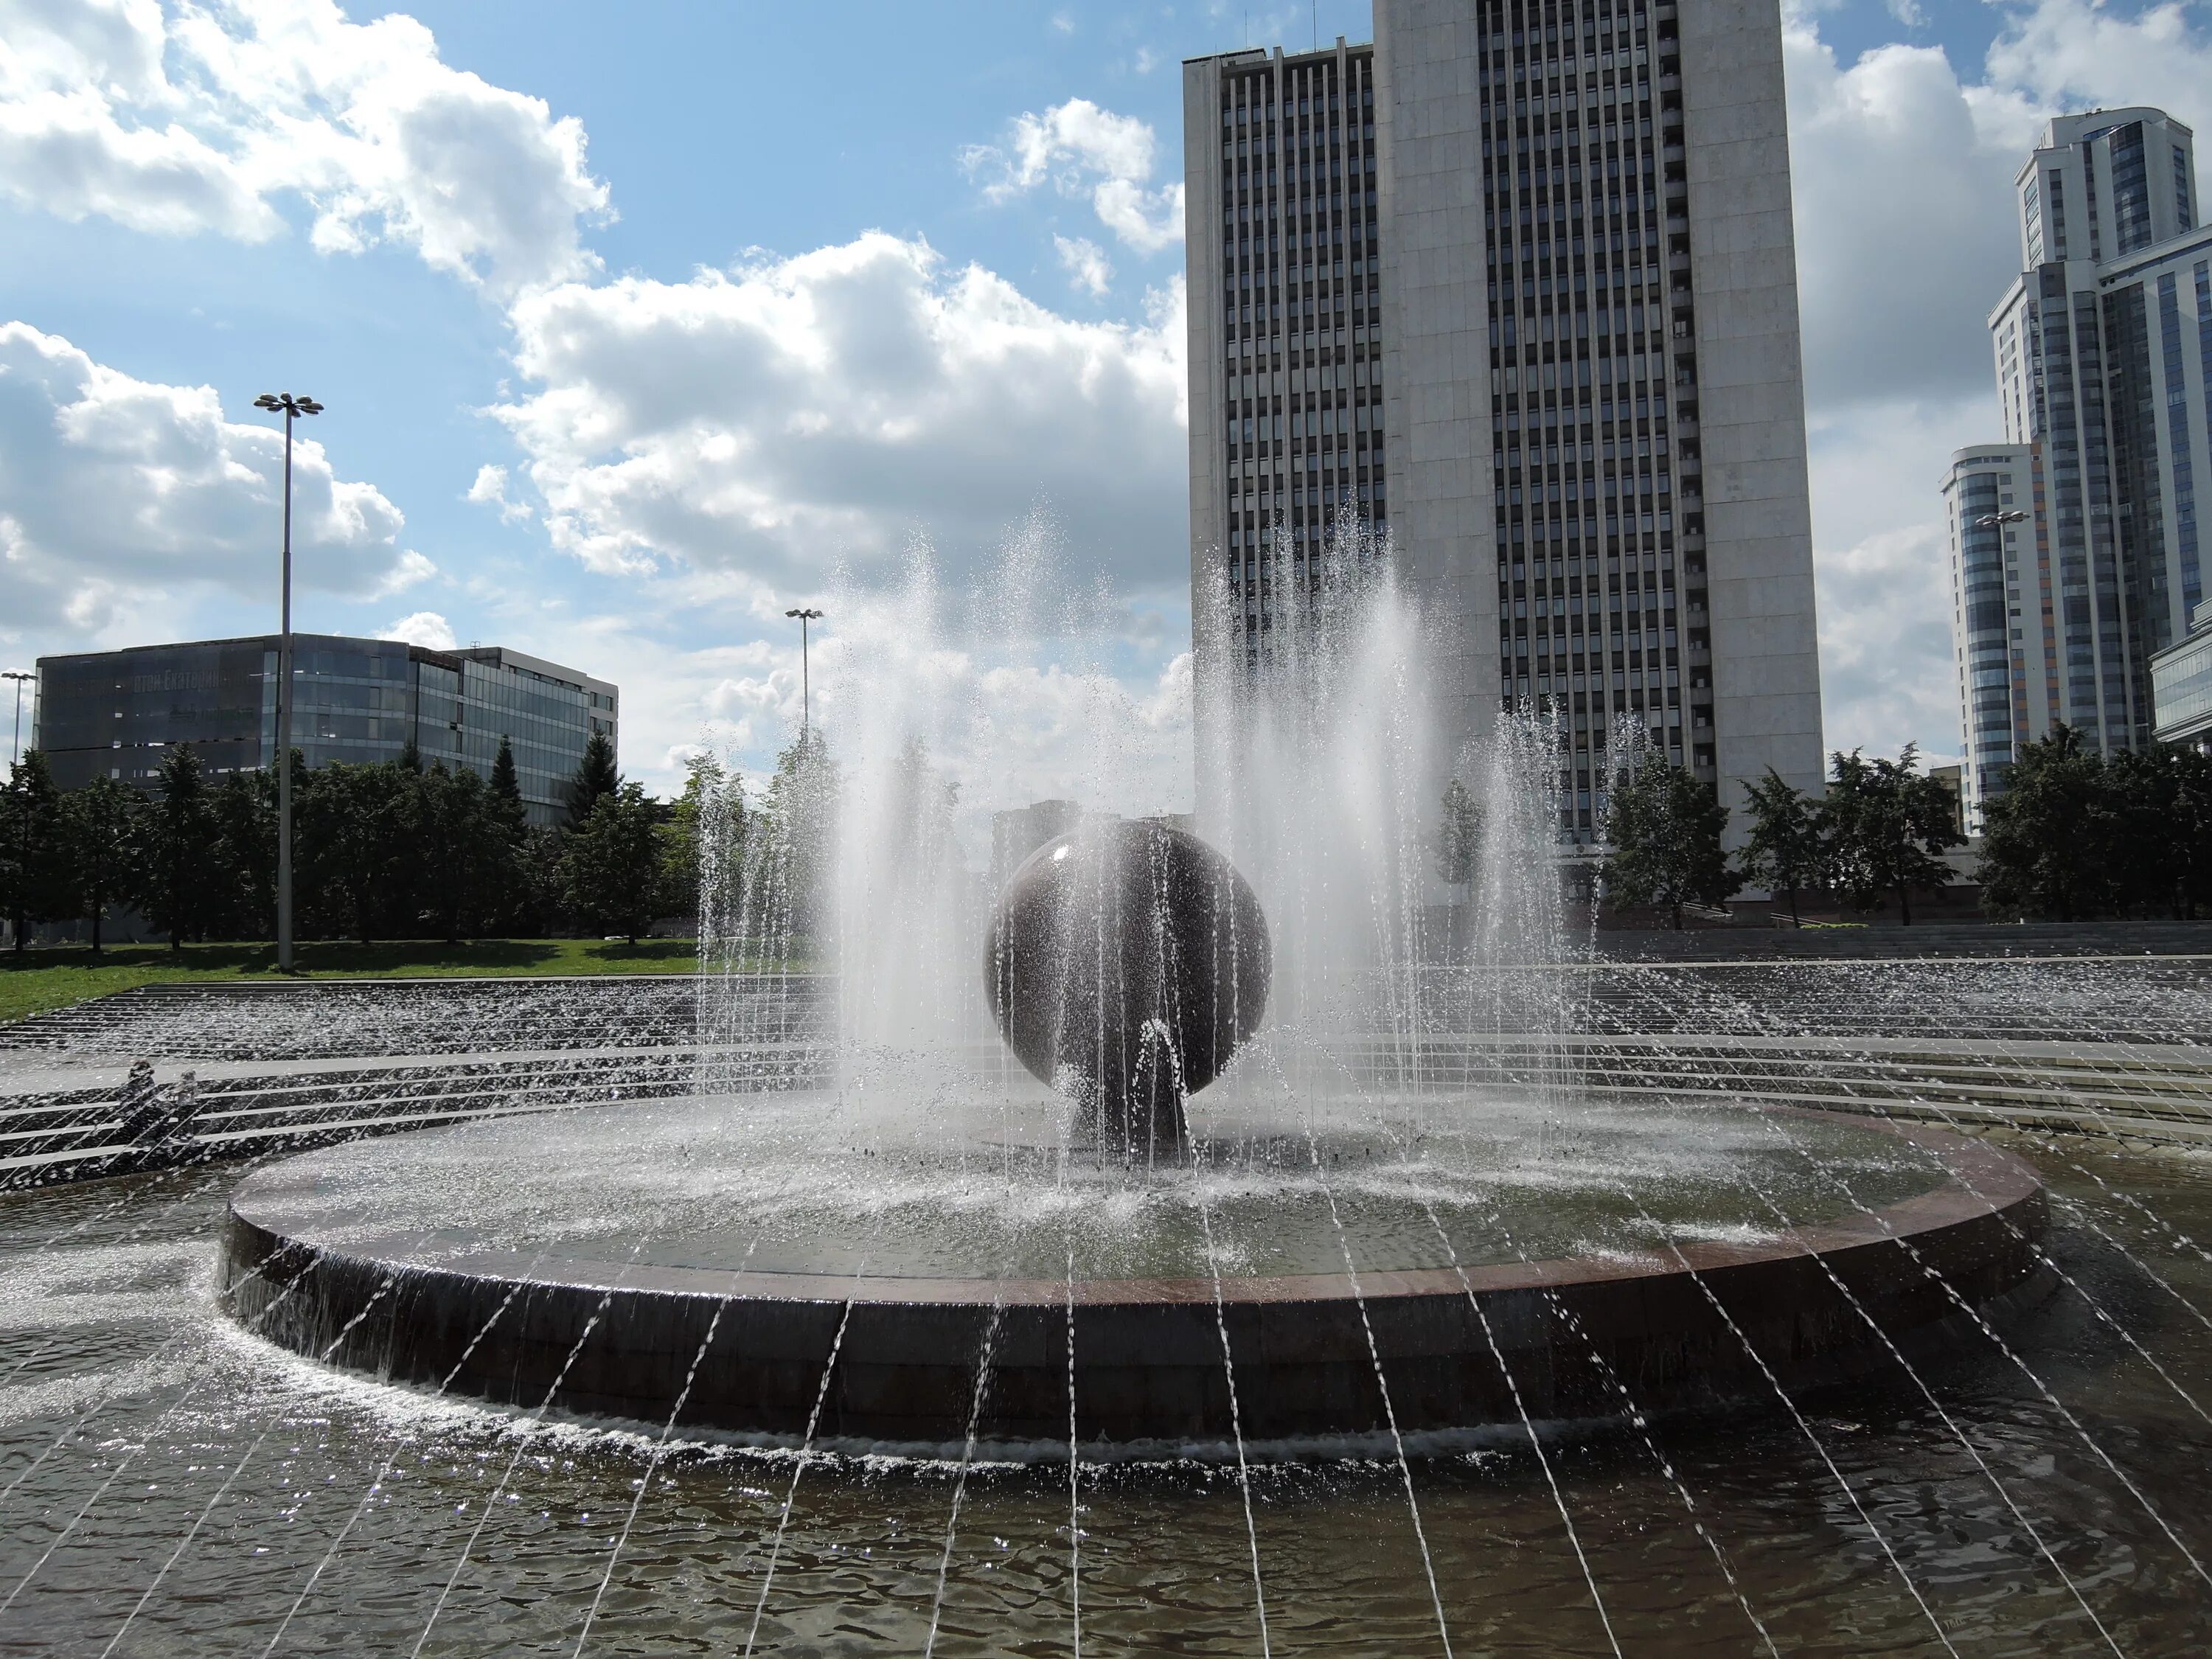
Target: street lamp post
18, 675
293, 408
1992, 520
805, 686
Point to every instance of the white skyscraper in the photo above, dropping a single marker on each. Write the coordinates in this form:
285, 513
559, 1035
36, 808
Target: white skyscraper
2104, 356
1518, 285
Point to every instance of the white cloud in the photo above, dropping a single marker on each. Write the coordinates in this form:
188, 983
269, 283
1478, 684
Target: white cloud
762, 424
489, 489
117, 492
1086, 267
205, 119
1079, 149
425, 627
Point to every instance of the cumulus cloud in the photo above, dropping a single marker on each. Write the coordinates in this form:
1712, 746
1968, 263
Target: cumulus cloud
768, 422
1080, 150
204, 119
115, 491
489, 489
1087, 268
1903, 164
425, 627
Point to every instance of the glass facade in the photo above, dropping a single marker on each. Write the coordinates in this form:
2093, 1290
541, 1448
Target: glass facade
111, 714
2181, 681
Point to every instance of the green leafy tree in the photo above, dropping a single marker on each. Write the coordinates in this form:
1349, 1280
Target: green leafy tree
458, 846
352, 845
541, 883
612, 864
179, 852
1888, 824
2047, 837
595, 776
702, 840
244, 808
799, 843
1664, 830
35, 872
2159, 848
100, 829
1459, 839
1786, 848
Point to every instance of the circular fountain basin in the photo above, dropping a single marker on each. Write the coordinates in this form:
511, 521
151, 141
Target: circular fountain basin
775, 1266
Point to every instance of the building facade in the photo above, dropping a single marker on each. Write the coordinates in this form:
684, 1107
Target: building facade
2000, 567
2181, 686
111, 714
1517, 286
2103, 344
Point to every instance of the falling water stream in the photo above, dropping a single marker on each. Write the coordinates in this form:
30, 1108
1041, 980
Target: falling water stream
1421, 1098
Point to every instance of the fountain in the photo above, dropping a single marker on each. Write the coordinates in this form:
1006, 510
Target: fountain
1518, 1299
925, 1250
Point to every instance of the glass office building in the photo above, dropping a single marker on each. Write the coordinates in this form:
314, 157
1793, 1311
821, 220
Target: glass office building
113, 713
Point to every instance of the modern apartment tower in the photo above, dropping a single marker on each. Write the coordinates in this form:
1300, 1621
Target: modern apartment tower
1516, 284
2104, 359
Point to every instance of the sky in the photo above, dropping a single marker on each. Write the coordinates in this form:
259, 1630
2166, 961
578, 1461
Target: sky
639, 325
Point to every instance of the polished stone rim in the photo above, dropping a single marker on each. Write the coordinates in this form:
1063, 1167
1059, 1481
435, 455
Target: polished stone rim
613, 1337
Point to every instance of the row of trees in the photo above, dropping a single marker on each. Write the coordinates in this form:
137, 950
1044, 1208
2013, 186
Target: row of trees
387, 850
1879, 828
2078, 834
2075, 835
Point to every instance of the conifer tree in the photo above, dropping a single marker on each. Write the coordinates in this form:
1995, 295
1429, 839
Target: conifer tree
595, 776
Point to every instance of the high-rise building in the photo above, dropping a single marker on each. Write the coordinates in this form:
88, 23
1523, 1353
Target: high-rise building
1517, 285
2104, 357
113, 713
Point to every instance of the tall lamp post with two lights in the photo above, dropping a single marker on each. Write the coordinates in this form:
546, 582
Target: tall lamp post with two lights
293, 408
805, 686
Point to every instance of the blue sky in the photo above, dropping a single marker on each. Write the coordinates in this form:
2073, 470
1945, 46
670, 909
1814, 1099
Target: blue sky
737, 301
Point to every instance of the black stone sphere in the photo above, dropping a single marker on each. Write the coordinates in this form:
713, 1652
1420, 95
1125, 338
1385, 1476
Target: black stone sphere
1125, 963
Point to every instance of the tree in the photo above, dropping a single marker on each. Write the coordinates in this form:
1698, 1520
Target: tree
1887, 826
1787, 846
178, 854
612, 864
353, 853
458, 845
506, 901
2046, 837
595, 777
244, 808
100, 829
1459, 838
702, 843
34, 884
1664, 829
800, 841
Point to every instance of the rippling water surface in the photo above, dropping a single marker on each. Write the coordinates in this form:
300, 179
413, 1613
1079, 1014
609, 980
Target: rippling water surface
168, 1484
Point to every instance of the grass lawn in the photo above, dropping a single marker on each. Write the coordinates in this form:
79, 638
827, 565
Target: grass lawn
55, 976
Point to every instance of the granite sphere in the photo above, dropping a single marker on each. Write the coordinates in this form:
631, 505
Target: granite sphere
1125, 963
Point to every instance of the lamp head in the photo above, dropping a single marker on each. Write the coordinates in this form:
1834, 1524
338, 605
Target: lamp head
274, 401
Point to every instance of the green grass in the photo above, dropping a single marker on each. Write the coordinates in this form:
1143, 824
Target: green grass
43, 978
